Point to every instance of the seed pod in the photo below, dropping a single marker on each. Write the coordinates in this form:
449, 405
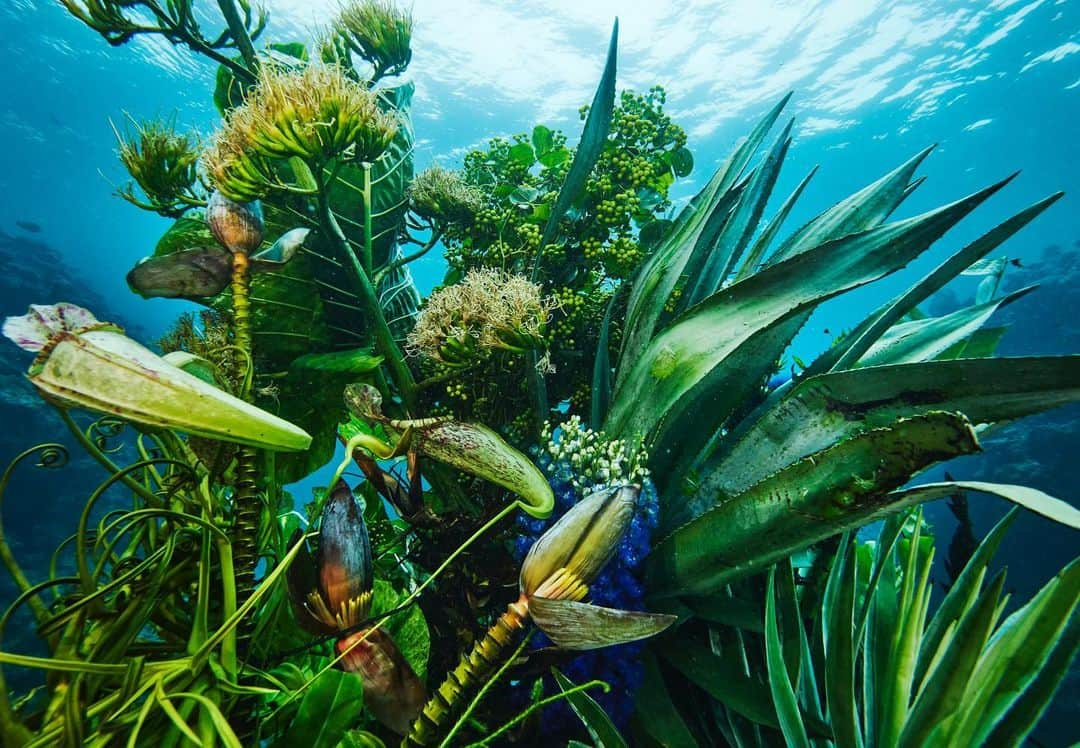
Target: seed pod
238, 226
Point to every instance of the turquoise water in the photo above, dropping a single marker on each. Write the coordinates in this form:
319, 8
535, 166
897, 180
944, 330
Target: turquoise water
995, 85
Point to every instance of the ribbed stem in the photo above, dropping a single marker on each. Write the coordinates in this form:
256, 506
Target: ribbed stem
473, 668
246, 509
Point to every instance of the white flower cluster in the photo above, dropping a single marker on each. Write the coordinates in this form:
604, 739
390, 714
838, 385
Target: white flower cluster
593, 458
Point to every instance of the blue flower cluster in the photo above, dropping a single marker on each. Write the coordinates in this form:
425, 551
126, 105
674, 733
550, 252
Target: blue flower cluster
617, 586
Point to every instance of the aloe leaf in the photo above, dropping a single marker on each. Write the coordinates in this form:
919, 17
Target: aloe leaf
761, 245
601, 385
1025, 713
925, 339
593, 136
580, 626
677, 373
839, 488
844, 355
787, 708
838, 626
1029, 498
961, 595
723, 677
597, 722
740, 225
827, 408
660, 273
657, 713
947, 681
327, 711
862, 210
1013, 657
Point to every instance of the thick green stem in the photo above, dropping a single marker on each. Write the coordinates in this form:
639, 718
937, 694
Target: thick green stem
246, 505
384, 338
368, 210
239, 32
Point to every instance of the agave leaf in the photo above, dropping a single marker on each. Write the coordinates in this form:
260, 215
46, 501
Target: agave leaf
677, 374
827, 408
980, 344
947, 680
855, 345
839, 488
1013, 657
740, 225
925, 339
601, 385
601, 729
787, 708
578, 626
478, 450
657, 713
593, 136
1029, 498
723, 677
699, 220
757, 253
861, 210
840, 648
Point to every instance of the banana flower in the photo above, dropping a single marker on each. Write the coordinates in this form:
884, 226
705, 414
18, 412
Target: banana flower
331, 592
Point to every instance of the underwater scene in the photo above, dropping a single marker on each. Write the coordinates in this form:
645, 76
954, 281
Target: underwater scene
470, 373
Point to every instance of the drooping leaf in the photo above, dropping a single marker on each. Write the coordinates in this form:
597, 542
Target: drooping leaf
1029, 498
825, 409
580, 626
839, 488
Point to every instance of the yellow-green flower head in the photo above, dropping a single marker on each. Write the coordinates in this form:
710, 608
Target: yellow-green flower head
566, 558
440, 194
315, 113
378, 31
488, 310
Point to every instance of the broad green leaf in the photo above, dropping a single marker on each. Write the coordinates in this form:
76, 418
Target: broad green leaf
408, 628
543, 140
593, 136
523, 154
330, 706
660, 273
677, 375
682, 162
787, 708
658, 715
601, 729
839, 488
827, 408
928, 338
723, 677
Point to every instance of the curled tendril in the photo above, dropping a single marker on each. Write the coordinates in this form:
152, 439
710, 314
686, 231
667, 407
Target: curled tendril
101, 431
51, 456
124, 565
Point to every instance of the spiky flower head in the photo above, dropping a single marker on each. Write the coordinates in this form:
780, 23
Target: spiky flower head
379, 32
441, 194
162, 162
489, 310
316, 113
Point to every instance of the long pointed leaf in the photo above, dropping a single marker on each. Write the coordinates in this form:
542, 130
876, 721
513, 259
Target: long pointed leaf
838, 627
597, 722
761, 245
657, 713
840, 488
1029, 498
787, 709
